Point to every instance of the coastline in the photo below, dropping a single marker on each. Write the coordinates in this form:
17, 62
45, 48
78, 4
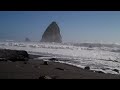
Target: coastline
34, 69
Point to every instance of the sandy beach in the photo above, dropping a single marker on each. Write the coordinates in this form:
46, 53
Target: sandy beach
34, 69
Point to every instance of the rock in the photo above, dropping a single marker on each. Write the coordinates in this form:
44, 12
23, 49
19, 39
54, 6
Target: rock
90, 46
87, 68
45, 63
45, 77
116, 70
3, 59
99, 71
25, 62
53, 59
14, 55
27, 40
52, 34
59, 68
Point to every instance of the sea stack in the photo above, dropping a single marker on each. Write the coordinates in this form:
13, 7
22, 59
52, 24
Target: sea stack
27, 40
52, 34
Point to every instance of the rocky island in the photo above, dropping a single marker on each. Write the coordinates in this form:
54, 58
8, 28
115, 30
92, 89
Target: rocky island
52, 34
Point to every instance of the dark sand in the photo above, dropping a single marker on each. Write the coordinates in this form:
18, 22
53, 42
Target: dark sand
35, 68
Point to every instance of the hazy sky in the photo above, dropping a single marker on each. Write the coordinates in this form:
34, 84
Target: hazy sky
75, 26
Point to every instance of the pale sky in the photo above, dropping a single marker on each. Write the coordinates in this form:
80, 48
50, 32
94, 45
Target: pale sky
75, 26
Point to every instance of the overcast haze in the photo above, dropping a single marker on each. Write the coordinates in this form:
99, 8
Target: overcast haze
75, 26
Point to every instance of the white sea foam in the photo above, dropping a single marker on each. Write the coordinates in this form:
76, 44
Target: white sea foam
98, 58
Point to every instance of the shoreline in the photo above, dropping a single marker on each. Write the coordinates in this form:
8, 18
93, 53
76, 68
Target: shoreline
34, 69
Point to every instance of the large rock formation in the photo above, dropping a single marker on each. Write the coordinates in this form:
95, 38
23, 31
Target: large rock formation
13, 55
52, 34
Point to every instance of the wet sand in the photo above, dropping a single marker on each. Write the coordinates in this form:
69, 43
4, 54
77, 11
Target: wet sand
34, 69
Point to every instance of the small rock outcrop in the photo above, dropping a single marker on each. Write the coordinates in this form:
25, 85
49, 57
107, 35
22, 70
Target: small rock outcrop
99, 71
27, 40
87, 68
60, 69
53, 59
116, 70
52, 34
14, 55
45, 63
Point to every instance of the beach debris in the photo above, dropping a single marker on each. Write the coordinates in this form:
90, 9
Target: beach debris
59, 68
116, 70
87, 68
45, 77
45, 63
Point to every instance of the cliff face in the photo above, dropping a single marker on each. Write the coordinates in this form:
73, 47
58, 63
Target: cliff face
52, 34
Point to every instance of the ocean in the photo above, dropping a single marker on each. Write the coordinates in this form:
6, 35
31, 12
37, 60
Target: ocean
98, 56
